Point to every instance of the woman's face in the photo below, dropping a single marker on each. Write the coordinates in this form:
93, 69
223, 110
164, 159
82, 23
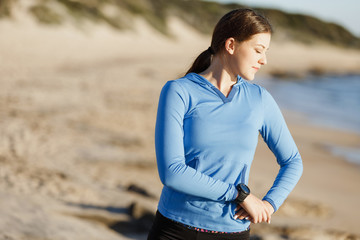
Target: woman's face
248, 56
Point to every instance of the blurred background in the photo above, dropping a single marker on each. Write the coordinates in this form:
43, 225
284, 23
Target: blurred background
79, 87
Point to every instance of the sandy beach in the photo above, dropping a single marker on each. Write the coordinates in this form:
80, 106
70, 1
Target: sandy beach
77, 116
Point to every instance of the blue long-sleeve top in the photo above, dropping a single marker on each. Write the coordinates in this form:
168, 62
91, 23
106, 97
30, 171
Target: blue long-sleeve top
205, 144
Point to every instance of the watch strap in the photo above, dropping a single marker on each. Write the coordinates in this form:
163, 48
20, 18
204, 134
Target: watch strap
241, 194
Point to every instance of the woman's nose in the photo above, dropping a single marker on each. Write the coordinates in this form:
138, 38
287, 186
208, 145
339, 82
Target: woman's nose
263, 60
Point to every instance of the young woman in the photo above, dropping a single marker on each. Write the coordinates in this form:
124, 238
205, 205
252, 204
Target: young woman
206, 134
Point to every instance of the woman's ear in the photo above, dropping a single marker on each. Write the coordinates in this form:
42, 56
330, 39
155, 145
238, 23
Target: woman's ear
230, 45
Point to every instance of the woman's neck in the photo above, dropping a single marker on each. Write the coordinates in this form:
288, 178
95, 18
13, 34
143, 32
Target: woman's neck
219, 76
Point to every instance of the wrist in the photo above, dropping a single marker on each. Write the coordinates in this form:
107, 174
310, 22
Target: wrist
270, 204
243, 192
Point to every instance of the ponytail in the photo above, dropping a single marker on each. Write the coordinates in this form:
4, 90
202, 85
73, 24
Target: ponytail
240, 24
202, 62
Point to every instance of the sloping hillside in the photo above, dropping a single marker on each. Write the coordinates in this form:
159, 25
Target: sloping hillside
201, 15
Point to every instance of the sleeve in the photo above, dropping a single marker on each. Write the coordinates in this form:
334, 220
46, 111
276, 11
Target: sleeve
169, 147
278, 138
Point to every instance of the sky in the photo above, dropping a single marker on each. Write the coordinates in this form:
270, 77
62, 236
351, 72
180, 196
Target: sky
343, 12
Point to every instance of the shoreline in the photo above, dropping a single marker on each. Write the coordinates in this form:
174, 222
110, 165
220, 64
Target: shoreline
348, 152
320, 101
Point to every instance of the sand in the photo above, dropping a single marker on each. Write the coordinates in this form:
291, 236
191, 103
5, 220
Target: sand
77, 115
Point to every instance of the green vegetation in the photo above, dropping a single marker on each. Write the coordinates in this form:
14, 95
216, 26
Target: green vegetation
5, 7
198, 14
90, 10
45, 15
309, 29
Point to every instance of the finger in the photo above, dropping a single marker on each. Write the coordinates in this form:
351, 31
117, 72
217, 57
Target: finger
250, 219
269, 218
238, 208
255, 219
264, 213
244, 216
240, 213
268, 215
264, 216
261, 218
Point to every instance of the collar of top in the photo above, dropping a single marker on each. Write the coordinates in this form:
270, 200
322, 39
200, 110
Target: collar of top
203, 81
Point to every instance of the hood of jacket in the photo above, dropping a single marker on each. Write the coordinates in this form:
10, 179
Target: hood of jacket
203, 81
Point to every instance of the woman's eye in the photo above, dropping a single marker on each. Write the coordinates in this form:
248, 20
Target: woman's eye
257, 51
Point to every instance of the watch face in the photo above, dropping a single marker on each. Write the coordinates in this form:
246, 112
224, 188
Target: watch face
245, 188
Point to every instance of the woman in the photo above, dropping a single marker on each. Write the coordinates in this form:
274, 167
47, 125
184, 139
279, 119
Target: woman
206, 134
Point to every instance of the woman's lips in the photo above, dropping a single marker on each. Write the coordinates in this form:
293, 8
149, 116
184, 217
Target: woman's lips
256, 68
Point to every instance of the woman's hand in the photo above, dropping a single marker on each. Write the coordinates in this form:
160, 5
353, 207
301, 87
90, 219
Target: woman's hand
254, 209
269, 206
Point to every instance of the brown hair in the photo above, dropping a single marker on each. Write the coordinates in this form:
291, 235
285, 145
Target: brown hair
241, 24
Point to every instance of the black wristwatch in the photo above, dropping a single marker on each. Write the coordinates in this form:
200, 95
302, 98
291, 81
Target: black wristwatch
243, 191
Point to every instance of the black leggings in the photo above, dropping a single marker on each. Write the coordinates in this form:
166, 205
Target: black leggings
165, 229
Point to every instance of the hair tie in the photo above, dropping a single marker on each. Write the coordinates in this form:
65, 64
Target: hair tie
211, 50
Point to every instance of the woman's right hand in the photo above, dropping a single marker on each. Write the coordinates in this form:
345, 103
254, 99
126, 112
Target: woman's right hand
254, 209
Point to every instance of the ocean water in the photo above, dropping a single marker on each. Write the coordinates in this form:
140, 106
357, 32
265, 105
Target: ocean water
329, 101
